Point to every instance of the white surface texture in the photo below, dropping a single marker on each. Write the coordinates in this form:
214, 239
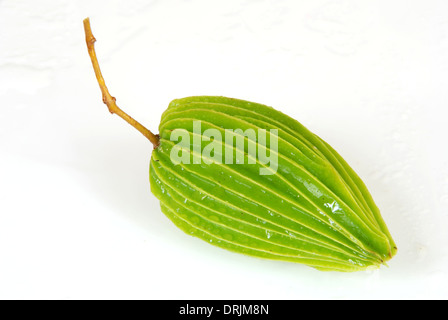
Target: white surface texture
77, 218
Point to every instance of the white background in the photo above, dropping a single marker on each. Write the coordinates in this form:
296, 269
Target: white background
77, 218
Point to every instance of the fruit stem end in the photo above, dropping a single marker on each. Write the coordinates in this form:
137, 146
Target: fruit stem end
107, 98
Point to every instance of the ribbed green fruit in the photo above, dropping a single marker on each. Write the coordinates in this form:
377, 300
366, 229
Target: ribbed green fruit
314, 210
311, 208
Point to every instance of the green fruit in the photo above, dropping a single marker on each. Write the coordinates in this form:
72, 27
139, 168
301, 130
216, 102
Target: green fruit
310, 207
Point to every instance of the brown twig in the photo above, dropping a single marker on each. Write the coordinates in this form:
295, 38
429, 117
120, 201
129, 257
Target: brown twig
107, 98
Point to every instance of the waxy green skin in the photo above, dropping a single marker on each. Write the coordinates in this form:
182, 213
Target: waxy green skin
314, 210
